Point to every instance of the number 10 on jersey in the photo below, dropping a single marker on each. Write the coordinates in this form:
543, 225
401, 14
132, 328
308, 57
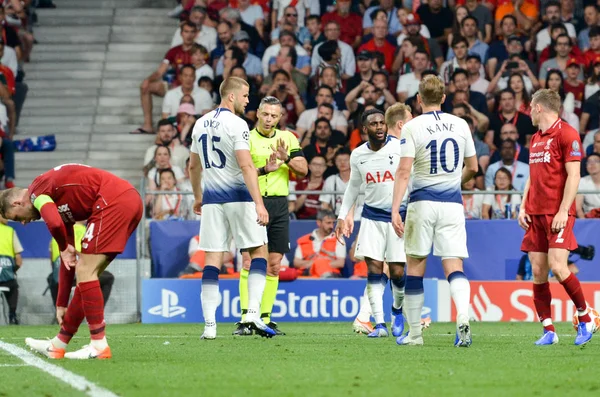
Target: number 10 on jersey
433, 145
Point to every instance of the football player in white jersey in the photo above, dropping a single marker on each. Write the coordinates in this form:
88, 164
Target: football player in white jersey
225, 184
374, 163
435, 144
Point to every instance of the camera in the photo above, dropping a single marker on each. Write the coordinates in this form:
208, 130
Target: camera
586, 253
512, 65
282, 87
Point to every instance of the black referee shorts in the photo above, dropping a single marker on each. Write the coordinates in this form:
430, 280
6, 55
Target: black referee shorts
278, 229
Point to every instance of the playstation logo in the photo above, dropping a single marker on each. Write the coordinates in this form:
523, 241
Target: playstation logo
168, 305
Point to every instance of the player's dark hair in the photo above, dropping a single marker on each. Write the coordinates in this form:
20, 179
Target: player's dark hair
365, 115
269, 100
459, 71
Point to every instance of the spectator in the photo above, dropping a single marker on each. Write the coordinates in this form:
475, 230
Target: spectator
347, 60
319, 254
234, 18
588, 202
10, 36
460, 82
482, 151
514, 65
199, 60
500, 49
518, 172
308, 117
458, 60
508, 113
284, 89
460, 12
338, 183
306, 206
495, 205
250, 62
477, 80
167, 136
10, 262
484, 19
187, 201
7, 130
323, 143
408, 84
360, 269
330, 78
556, 83
509, 131
358, 135
161, 161
252, 15
175, 58
516, 83
556, 30
253, 97
438, 20
525, 14
567, 14
471, 34
287, 59
364, 95
552, 16
202, 99
592, 55
290, 16
208, 84
286, 39
573, 85
330, 54
472, 203
167, 206
404, 57
392, 16
364, 62
313, 24
206, 36
562, 47
350, 23
225, 34
183, 124
379, 44
590, 118
278, 11
431, 46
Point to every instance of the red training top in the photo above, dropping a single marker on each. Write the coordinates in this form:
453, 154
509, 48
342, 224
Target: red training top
549, 151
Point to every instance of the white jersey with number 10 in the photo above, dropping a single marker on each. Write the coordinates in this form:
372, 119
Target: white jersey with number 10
438, 142
216, 137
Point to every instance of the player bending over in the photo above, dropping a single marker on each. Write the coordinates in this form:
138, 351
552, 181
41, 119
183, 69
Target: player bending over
113, 209
548, 213
226, 192
436, 144
374, 164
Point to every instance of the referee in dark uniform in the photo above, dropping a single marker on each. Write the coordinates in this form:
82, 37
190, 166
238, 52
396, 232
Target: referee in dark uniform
275, 153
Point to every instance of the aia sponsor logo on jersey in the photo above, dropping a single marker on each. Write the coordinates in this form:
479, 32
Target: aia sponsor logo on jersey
378, 177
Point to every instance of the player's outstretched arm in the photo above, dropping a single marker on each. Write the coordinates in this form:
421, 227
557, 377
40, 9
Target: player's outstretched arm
470, 169
196, 179
250, 175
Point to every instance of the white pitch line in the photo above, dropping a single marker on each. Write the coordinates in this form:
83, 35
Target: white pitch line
15, 365
75, 381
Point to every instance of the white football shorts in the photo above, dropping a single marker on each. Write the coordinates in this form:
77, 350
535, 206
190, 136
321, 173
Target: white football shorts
377, 240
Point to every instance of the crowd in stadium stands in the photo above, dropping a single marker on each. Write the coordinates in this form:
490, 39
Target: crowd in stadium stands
329, 61
16, 42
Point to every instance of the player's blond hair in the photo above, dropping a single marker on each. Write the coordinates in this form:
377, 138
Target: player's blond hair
547, 98
397, 112
6, 199
231, 84
431, 90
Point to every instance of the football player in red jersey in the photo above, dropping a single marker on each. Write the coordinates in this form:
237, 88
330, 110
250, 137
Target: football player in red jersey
548, 212
113, 209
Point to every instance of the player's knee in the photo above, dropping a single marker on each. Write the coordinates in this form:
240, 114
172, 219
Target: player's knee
273, 268
374, 266
539, 273
396, 270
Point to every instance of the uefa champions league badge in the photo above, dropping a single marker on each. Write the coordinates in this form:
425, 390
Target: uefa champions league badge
575, 150
246, 135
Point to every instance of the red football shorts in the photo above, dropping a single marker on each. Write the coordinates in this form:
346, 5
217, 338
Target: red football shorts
110, 226
539, 237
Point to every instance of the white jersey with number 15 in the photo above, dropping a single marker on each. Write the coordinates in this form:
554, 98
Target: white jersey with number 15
438, 142
216, 137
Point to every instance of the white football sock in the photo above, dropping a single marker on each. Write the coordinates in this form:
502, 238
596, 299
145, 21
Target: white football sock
99, 344
413, 305
210, 294
58, 343
460, 290
257, 278
398, 294
375, 291
364, 314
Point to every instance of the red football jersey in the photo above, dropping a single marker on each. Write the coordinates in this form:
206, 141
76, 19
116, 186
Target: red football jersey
78, 190
177, 57
548, 153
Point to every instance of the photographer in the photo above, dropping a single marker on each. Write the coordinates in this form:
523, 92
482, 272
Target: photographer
284, 89
514, 65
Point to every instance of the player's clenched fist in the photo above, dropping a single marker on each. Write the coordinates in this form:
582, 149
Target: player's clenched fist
524, 219
397, 224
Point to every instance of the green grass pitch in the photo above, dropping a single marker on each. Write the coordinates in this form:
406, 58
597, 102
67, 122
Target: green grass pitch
316, 359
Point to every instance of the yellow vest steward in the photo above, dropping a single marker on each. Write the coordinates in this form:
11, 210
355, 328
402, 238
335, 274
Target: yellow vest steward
275, 183
7, 253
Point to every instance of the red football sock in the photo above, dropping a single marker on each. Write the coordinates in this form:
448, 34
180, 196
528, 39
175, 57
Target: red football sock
573, 287
72, 318
93, 306
542, 300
